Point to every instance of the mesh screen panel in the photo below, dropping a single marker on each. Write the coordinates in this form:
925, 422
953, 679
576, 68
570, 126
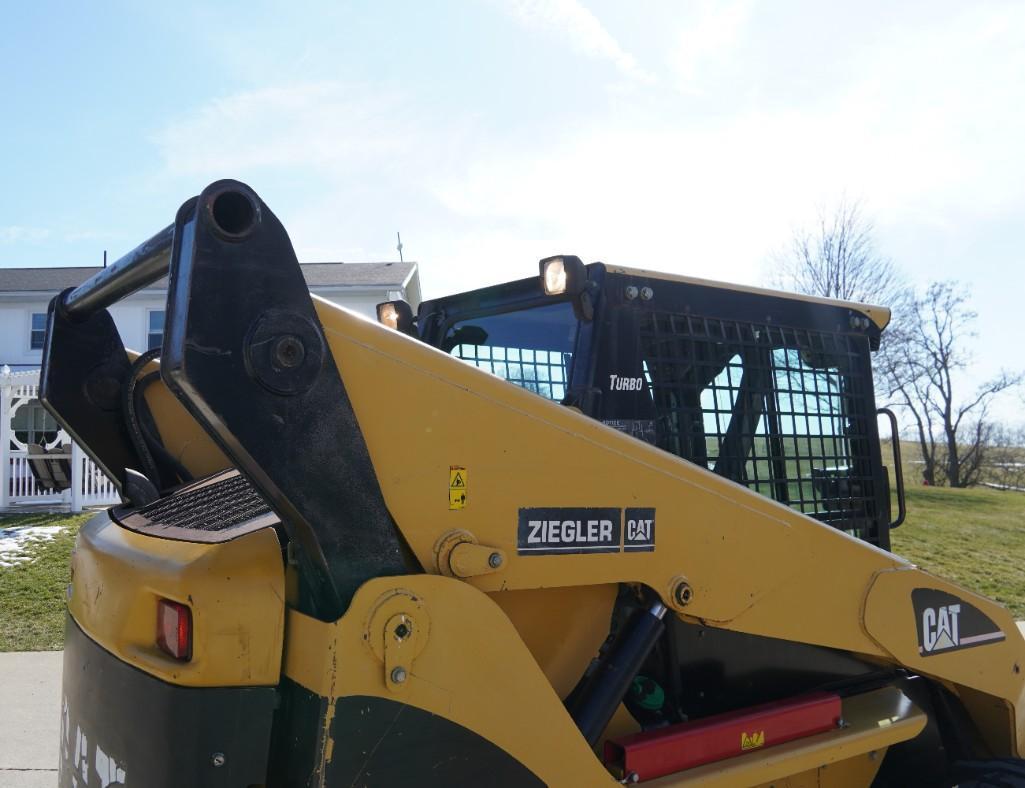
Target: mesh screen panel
778, 409
542, 371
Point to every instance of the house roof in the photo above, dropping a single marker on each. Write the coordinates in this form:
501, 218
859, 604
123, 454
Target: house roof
317, 275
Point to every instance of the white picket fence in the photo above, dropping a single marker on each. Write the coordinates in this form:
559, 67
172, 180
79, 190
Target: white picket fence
18, 486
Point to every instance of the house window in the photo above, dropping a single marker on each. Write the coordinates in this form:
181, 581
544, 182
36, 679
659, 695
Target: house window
38, 333
32, 424
155, 335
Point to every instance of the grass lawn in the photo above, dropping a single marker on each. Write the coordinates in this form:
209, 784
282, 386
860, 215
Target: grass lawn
32, 593
974, 537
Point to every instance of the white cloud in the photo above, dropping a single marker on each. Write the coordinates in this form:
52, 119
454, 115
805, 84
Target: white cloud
325, 125
572, 20
14, 234
926, 129
924, 124
704, 200
941, 115
76, 236
712, 35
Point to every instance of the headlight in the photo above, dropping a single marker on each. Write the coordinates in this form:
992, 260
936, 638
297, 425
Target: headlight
562, 274
397, 315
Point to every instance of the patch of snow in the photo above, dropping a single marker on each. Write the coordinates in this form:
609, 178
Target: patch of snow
15, 541
994, 486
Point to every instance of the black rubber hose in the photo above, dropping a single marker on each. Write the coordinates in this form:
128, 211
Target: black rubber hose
128, 410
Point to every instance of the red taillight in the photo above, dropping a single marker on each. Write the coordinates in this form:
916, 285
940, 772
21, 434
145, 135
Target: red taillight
174, 629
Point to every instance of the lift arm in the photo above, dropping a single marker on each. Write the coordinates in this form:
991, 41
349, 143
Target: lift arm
245, 353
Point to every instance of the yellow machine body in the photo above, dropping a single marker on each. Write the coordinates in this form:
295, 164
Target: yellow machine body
476, 655
495, 652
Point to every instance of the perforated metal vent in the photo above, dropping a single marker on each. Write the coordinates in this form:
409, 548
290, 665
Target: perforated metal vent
212, 507
220, 507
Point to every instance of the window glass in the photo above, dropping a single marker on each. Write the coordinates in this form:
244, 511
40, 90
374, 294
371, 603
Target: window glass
155, 335
38, 332
814, 426
532, 348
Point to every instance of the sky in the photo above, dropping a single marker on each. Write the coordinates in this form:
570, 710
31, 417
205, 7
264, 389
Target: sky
689, 137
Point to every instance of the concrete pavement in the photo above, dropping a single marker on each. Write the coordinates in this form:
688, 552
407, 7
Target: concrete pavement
30, 685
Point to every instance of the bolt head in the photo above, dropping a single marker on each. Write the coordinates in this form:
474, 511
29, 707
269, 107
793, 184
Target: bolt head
218, 759
683, 594
398, 675
647, 293
630, 292
402, 631
495, 560
289, 351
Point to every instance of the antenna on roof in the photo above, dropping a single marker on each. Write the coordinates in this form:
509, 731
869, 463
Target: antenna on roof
399, 247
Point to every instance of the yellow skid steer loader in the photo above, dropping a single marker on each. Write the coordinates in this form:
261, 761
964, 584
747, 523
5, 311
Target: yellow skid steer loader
597, 526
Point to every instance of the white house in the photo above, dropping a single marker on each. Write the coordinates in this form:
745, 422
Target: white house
25, 294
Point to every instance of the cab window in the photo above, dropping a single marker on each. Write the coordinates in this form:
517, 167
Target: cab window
532, 348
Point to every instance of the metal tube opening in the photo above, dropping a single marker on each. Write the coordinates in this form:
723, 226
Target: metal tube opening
233, 213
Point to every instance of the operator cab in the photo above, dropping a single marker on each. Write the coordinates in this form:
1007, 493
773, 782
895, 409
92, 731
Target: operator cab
771, 390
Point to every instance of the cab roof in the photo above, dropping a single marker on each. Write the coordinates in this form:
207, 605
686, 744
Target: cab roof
880, 315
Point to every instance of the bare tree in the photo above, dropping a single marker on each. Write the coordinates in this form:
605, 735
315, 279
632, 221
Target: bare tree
838, 259
922, 356
922, 372
899, 377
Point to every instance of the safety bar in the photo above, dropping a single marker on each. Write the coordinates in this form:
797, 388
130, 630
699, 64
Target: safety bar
898, 468
142, 266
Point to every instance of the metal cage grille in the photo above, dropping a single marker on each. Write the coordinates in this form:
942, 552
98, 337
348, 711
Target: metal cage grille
784, 411
544, 372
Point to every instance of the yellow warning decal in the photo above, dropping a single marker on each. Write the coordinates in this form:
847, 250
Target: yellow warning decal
456, 499
456, 487
752, 741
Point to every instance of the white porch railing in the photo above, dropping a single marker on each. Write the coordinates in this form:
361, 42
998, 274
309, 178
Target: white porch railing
18, 486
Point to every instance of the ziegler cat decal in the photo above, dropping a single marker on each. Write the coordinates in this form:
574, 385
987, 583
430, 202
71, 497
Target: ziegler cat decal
562, 530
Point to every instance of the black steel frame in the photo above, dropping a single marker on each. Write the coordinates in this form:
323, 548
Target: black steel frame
245, 353
784, 411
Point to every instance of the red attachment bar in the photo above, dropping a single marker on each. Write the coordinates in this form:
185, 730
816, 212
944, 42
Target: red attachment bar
651, 754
